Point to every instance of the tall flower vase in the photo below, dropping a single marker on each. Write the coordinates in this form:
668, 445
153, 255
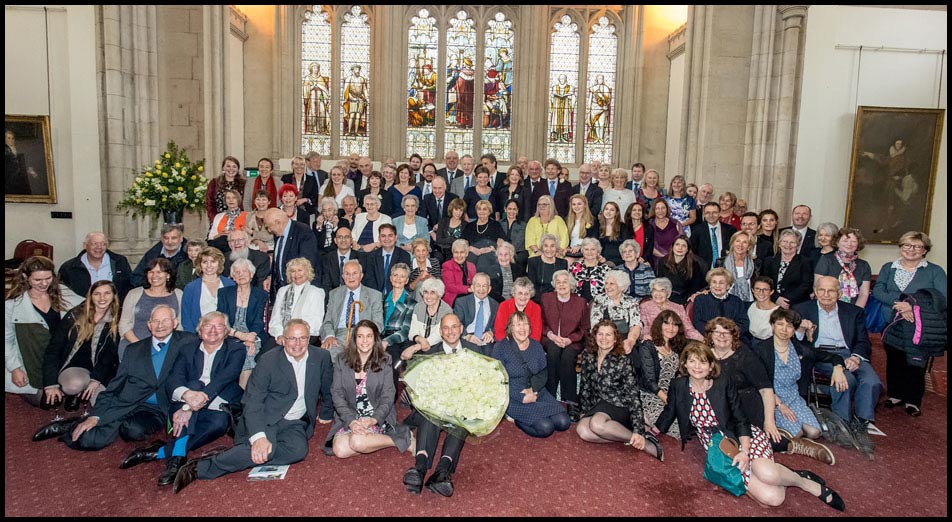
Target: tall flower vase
173, 216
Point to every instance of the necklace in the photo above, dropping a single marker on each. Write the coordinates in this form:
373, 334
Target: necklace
724, 356
485, 228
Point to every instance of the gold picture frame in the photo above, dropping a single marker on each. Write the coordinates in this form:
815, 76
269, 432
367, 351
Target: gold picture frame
895, 157
28, 160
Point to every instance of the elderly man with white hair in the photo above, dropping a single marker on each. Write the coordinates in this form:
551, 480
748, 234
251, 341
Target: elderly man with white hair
238, 242
95, 263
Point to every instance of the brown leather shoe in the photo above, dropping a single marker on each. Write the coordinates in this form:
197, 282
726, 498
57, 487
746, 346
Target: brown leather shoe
812, 449
187, 474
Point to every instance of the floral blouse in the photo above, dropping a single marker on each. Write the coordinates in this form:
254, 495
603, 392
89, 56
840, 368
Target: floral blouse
627, 311
591, 279
615, 384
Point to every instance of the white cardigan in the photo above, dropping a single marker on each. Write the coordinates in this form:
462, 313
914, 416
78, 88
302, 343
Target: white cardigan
360, 222
309, 305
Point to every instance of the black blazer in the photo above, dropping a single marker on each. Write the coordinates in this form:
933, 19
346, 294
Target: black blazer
60, 350
646, 251
272, 391
807, 354
797, 281
138, 275
310, 190
538, 275
299, 243
449, 177
320, 175
852, 322
254, 316
428, 209
807, 242
73, 273
223, 381
494, 271
563, 193
330, 276
701, 241
136, 381
374, 276
522, 195
724, 402
593, 195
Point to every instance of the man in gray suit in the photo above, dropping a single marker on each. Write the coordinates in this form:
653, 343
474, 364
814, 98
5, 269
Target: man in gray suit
466, 178
477, 313
337, 317
280, 408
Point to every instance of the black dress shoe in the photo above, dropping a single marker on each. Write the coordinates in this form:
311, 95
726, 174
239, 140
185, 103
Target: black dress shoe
659, 450
440, 482
574, 414
892, 403
140, 455
413, 480
186, 475
71, 403
171, 469
912, 410
55, 429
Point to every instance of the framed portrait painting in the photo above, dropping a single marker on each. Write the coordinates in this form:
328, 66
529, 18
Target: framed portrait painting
28, 160
893, 171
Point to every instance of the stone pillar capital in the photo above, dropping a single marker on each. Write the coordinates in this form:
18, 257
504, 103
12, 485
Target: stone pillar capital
792, 15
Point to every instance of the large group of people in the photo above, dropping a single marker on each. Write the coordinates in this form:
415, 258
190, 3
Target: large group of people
615, 304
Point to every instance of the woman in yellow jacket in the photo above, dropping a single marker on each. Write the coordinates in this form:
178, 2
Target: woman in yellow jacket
546, 221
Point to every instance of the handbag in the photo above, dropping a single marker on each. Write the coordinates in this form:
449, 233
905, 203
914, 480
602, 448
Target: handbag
622, 326
718, 467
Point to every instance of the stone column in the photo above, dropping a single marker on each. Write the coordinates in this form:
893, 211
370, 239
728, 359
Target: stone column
214, 22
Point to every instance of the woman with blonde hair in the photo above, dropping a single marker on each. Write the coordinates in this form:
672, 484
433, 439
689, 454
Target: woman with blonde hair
617, 193
580, 225
201, 295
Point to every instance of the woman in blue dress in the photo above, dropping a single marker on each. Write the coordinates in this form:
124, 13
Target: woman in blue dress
534, 409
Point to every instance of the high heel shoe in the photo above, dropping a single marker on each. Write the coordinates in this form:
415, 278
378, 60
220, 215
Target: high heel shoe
831, 498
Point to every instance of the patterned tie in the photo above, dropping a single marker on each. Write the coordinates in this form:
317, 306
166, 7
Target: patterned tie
353, 318
386, 272
480, 327
552, 188
714, 248
342, 266
426, 189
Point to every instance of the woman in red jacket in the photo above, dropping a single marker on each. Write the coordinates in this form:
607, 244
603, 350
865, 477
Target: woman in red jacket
522, 292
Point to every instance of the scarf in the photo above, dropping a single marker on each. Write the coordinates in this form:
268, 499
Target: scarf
231, 216
847, 280
741, 286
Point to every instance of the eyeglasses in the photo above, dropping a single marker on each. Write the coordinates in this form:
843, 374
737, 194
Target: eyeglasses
720, 334
295, 340
209, 326
161, 322
761, 289
908, 246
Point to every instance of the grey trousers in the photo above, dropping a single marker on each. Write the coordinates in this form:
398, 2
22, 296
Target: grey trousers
289, 446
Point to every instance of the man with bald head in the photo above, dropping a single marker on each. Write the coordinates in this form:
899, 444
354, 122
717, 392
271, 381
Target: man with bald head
435, 204
451, 170
95, 263
705, 193
292, 239
535, 175
342, 312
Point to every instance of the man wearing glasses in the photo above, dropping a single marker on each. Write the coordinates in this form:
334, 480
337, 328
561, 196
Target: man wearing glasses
280, 409
136, 402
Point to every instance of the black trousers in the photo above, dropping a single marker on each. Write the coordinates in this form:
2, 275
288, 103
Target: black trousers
140, 424
428, 437
561, 368
904, 381
205, 426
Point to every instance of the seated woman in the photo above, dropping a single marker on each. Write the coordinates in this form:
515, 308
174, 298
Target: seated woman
83, 354
608, 395
703, 402
546, 221
201, 295
683, 269
365, 419
233, 218
844, 264
366, 230
483, 235
503, 271
410, 226
261, 237
534, 409
719, 303
288, 197
759, 311
159, 289
298, 300
789, 365
185, 273
458, 272
244, 306
450, 228
741, 266
348, 209
580, 225
398, 306
639, 271
590, 270
422, 267
326, 224
792, 272
425, 321
522, 292
659, 302
514, 230
658, 364
619, 307
565, 323
611, 232
542, 267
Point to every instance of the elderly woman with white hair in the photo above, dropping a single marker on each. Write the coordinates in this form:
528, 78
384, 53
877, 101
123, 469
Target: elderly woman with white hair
522, 292
503, 272
565, 322
297, 300
661, 289
427, 314
244, 305
458, 272
541, 268
617, 306
639, 271
410, 226
590, 270
327, 223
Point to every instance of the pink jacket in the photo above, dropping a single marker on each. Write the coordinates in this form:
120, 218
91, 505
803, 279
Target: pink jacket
650, 310
453, 279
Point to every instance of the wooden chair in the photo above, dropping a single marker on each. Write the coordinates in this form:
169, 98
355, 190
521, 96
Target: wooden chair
24, 249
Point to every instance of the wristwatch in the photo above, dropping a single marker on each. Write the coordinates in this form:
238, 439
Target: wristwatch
186, 407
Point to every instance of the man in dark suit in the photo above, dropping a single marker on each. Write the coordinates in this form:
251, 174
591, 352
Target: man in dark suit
96, 259
451, 170
313, 160
292, 239
488, 160
204, 377
307, 186
377, 264
840, 327
238, 242
477, 313
173, 247
428, 434
637, 175
533, 178
592, 192
332, 263
561, 191
801, 219
710, 234
280, 409
136, 402
436, 205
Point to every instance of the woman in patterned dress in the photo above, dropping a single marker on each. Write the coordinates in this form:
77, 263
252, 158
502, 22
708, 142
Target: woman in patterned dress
659, 365
590, 270
365, 419
609, 398
704, 403
619, 307
534, 409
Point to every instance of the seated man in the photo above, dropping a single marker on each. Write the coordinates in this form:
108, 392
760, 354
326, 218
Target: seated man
428, 434
477, 313
280, 410
199, 389
135, 404
840, 327
173, 247
94, 263
334, 328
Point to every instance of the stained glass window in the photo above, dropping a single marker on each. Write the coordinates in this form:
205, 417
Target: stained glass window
424, 49
460, 84
316, 88
497, 88
600, 100
355, 83
563, 90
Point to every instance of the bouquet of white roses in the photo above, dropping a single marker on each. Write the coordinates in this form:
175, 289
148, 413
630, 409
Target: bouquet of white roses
465, 393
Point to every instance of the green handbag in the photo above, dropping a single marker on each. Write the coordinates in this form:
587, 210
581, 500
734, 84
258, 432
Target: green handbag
718, 468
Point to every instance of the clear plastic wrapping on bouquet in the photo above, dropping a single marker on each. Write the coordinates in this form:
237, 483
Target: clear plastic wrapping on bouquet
465, 393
